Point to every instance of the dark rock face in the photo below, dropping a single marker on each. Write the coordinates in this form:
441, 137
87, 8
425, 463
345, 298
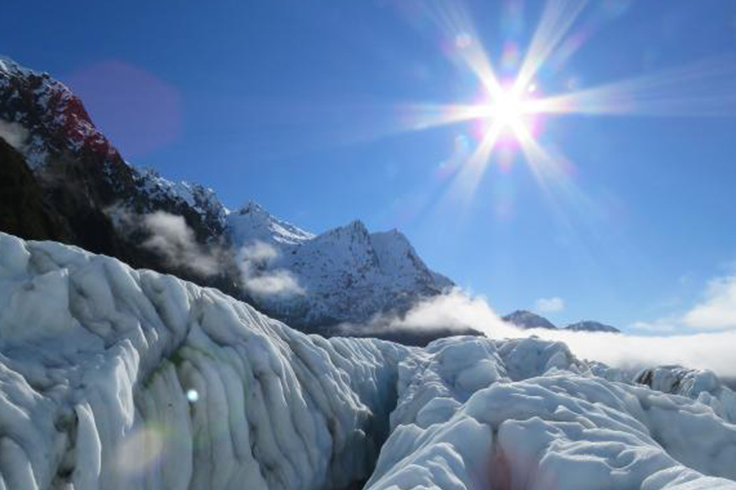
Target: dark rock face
68, 175
22, 208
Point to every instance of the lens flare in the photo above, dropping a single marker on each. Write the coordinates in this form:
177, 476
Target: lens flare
192, 395
513, 111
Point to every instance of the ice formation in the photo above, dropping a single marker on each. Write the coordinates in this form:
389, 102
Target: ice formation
114, 378
475, 413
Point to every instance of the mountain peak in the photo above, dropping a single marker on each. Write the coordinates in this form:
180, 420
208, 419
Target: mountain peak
253, 223
53, 118
527, 319
252, 207
591, 326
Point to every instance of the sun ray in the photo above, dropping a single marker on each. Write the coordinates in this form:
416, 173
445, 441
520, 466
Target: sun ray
456, 24
557, 19
424, 116
468, 178
513, 110
702, 89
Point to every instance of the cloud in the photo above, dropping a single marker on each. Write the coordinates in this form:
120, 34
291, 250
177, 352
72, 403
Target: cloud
458, 311
454, 311
549, 305
258, 275
15, 134
715, 311
171, 238
718, 309
657, 326
712, 351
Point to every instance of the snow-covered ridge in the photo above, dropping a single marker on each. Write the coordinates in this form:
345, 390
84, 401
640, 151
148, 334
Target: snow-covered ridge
342, 275
116, 378
202, 200
347, 274
253, 223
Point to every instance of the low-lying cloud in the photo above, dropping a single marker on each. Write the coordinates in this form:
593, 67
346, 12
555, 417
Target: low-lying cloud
458, 311
15, 134
260, 277
171, 238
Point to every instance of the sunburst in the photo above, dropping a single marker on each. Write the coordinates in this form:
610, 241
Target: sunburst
513, 109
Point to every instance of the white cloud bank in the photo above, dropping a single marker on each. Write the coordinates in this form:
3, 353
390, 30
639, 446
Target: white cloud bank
458, 311
549, 305
718, 309
258, 276
715, 311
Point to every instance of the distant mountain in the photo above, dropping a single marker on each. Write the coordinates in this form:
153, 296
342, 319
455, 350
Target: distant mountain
346, 274
61, 179
591, 326
527, 319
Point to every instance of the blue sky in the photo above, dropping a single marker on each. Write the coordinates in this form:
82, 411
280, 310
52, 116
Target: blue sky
297, 105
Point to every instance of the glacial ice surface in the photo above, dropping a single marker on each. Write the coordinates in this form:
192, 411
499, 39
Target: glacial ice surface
114, 378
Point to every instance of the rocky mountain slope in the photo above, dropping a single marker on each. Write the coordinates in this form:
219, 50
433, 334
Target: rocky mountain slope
526, 319
591, 326
78, 177
118, 378
64, 180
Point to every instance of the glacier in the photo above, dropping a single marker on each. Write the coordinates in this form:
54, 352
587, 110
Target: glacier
117, 378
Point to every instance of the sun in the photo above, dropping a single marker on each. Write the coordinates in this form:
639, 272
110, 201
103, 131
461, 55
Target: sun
517, 96
508, 110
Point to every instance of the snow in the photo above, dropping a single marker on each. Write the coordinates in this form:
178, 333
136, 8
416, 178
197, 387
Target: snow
477, 413
115, 378
99, 362
48, 107
347, 274
198, 198
527, 319
252, 223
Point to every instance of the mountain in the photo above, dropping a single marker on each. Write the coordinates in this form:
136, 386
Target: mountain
527, 319
75, 183
343, 275
117, 378
591, 326
65, 181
